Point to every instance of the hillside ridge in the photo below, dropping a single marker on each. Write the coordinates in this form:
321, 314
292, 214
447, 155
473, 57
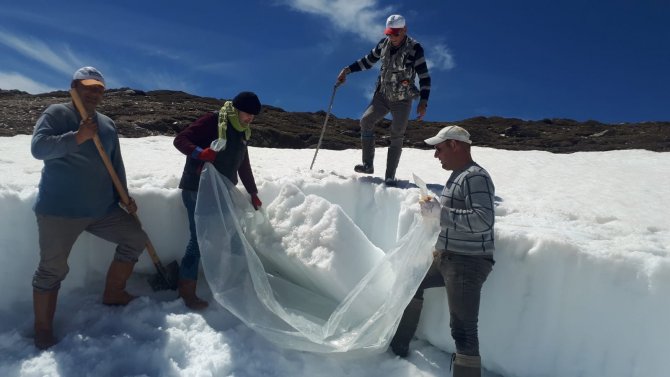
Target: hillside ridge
165, 112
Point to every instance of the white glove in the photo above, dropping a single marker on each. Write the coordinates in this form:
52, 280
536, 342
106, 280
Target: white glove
430, 208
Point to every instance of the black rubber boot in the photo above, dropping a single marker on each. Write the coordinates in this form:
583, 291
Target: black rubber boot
407, 327
466, 366
367, 167
364, 168
392, 160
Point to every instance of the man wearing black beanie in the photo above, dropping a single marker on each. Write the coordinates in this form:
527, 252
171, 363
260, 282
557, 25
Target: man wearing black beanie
219, 137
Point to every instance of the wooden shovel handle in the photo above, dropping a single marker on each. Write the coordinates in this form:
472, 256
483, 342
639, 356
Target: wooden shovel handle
125, 199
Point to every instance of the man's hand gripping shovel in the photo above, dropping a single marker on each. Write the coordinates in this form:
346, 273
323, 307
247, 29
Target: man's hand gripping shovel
166, 277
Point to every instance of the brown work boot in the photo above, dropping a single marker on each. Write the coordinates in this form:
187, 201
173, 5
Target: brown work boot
407, 327
115, 287
466, 366
187, 293
44, 306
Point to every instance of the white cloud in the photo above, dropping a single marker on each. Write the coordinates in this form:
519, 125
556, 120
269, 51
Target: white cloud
440, 58
357, 16
12, 80
366, 19
63, 60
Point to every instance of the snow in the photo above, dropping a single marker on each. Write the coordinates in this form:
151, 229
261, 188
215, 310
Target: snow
579, 286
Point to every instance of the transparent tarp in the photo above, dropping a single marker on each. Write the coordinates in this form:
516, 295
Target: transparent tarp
296, 283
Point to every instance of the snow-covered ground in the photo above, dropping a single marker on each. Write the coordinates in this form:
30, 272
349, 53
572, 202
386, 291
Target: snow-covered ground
580, 286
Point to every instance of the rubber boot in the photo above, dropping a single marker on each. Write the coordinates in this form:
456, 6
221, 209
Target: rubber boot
187, 293
392, 160
44, 306
407, 327
115, 287
466, 366
368, 144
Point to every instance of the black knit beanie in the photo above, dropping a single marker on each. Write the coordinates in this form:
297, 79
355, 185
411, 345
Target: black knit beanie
247, 102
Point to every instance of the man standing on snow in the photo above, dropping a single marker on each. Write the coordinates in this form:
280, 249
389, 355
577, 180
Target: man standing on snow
76, 194
227, 132
463, 256
402, 60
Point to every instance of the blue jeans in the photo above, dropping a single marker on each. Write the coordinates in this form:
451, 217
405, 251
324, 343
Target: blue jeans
190, 262
463, 276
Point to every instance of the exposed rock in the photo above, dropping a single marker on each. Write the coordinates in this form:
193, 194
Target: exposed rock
164, 112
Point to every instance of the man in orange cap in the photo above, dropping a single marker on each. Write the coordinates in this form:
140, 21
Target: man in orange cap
76, 194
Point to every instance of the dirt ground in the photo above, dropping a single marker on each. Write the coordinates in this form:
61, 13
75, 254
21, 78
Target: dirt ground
139, 114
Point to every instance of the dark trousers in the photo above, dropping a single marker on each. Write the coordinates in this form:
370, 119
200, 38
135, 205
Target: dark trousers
463, 276
377, 110
191, 260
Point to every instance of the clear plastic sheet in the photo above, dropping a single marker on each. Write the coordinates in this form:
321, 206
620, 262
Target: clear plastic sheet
253, 277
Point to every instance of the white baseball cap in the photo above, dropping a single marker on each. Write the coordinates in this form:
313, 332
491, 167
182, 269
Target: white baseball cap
450, 133
89, 76
395, 21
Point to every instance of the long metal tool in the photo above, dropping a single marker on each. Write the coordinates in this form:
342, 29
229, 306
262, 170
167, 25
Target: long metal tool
323, 129
166, 278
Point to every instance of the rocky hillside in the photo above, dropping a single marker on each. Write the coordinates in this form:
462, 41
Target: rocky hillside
162, 112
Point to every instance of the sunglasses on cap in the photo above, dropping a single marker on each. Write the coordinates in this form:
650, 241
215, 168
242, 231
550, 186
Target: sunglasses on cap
393, 32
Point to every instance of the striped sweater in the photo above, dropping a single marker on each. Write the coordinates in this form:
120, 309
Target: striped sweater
468, 215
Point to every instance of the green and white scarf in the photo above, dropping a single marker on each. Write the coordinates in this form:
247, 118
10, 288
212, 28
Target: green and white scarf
229, 113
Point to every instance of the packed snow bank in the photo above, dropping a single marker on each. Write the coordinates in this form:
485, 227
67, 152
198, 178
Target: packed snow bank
579, 286
607, 314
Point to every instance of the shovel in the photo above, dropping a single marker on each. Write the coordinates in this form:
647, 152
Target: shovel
166, 278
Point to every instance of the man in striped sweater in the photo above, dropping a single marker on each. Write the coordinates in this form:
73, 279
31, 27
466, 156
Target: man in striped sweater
402, 60
463, 256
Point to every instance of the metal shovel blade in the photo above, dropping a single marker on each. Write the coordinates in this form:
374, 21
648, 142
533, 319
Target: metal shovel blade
166, 278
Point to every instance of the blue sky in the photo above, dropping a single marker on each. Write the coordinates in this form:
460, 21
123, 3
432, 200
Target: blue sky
578, 59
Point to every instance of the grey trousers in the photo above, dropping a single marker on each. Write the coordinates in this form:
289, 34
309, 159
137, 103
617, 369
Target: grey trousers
377, 110
57, 235
463, 276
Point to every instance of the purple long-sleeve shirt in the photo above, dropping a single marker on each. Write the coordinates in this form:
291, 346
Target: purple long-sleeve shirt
231, 161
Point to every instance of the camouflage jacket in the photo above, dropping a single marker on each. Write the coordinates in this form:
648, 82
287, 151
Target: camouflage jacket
399, 69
